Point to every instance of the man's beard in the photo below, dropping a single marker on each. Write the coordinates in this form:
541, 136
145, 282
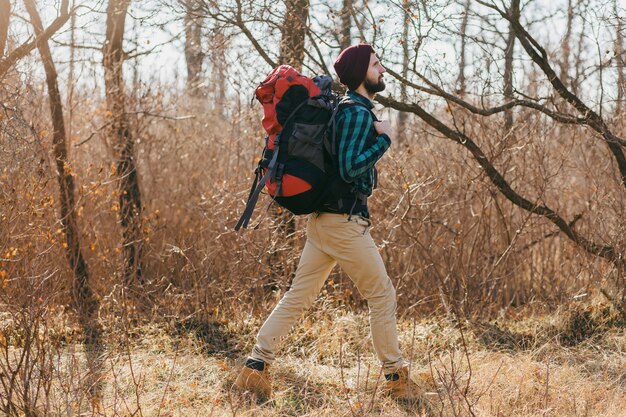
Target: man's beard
374, 88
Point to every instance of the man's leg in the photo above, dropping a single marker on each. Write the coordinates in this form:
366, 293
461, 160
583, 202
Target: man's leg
351, 244
313, 269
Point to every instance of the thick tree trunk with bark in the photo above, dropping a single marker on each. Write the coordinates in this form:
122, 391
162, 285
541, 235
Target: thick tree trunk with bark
5, 13
295, 25
345, 35
83, 298
193, 47
129, 195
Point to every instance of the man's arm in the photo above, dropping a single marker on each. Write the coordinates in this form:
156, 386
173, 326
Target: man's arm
355, 156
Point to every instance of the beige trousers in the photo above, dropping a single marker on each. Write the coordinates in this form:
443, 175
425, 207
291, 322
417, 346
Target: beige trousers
342, 239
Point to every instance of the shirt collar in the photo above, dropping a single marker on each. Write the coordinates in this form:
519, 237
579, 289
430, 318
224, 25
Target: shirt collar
361, 99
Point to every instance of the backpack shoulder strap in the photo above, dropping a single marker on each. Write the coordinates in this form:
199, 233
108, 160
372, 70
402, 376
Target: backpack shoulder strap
348, 102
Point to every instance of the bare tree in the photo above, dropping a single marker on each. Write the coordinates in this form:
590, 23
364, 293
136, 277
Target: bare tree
291, 53
583, 7
217, 56
620, 55
194, 56
71, 77
586, 117
294, 29
5, 13
129, 194
508, 65
402, 116
591, 118
566, 49
461, 80
85, 303
234, 16
345, 35
27, 47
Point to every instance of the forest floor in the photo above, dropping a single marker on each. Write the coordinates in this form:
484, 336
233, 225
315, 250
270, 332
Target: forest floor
569, 363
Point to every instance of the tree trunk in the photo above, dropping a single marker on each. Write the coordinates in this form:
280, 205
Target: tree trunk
129, 194
193, 47
402, 116
5, 13
345, 36
70, 78
217, 58
508, 65
461, 82
619, 52
565, 45
579, 58
294, 30
83, 298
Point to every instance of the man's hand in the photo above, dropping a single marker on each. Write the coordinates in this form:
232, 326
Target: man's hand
383, 127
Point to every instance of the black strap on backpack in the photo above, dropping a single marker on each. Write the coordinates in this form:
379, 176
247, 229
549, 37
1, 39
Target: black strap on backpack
257, 187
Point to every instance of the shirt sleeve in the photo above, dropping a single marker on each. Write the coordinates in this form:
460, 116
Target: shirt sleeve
355, 156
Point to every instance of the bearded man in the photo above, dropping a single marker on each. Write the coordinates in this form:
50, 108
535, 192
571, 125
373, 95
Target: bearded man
339, 234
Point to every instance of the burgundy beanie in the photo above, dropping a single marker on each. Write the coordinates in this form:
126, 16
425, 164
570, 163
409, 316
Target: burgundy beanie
352, 63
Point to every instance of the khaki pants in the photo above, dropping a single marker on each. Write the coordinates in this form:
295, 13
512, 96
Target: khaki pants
332, 239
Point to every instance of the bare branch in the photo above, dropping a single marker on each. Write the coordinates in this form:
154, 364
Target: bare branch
27, 47
319, 60
241, 25
607, 252
438, 91
595, 121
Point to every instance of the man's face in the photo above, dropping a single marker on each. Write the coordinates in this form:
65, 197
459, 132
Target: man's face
374, 77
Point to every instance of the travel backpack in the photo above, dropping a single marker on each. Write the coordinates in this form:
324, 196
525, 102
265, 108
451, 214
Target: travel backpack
296, 166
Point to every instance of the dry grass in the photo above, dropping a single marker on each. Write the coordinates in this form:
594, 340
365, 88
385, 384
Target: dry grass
328, 369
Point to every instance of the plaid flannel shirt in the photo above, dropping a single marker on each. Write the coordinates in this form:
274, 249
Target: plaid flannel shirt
359, 147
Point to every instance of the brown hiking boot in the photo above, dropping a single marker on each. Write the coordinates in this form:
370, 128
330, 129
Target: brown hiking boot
403, 388
255, 381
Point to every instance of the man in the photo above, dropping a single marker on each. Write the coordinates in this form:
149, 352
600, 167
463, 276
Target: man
339, 233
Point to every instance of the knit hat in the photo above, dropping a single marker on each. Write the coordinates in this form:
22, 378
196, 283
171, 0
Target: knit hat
352, 64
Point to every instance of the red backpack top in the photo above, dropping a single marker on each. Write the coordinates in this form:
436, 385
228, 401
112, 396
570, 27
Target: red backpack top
270, 92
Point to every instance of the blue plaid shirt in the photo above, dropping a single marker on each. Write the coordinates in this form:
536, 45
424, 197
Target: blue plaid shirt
359, 147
